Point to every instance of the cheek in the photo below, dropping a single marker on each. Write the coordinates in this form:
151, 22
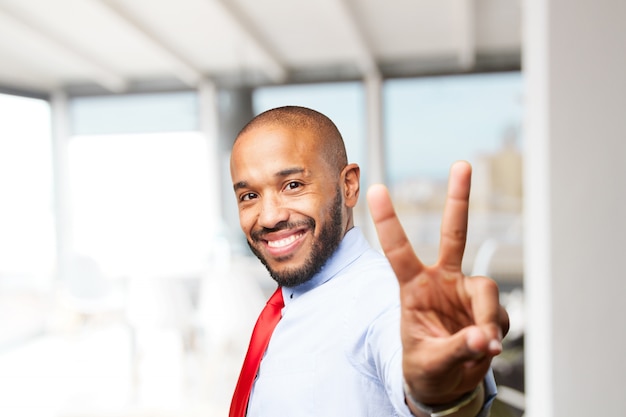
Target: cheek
246, 220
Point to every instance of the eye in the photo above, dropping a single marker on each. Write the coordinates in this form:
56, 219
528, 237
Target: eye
292, 185
247, 196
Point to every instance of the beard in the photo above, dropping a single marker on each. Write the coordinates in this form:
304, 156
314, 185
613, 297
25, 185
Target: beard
324, 246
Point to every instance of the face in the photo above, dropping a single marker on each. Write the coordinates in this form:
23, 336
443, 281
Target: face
291, 203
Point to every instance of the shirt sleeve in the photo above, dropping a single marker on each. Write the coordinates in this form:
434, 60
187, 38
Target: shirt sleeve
490, 394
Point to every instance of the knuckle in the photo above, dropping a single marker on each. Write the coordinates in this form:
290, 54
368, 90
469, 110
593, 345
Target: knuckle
456, 234
486, 284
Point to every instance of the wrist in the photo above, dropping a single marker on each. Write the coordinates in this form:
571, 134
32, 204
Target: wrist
464, 406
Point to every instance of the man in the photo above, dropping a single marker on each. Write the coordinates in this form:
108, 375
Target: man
352, 340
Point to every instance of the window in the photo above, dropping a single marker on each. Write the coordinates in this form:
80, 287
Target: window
26, 216
432, 122
140, 203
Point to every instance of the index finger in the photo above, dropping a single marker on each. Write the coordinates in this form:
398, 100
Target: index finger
455, 215
391, 235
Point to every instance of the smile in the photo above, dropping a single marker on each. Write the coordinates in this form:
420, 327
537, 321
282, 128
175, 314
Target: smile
281, 243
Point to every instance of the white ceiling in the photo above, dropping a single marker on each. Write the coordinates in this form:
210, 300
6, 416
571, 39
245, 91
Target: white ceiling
125, 45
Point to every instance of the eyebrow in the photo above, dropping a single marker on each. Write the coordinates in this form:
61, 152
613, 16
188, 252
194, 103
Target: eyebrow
280, 174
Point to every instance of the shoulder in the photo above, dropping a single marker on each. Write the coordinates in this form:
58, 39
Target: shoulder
371, 271
370, 287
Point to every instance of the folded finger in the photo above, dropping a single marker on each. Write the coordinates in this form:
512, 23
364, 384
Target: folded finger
487, 311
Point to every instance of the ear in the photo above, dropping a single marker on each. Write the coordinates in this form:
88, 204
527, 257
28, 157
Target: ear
351, 176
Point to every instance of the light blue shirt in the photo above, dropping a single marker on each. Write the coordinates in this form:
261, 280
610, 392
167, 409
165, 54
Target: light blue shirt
336, 350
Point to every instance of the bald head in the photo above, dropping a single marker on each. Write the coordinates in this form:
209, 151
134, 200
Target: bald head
328, 138
295, 190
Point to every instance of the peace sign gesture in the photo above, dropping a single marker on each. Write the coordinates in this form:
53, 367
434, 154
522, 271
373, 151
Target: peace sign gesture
451, 324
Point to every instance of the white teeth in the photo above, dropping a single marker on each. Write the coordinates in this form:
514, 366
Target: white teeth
283, 242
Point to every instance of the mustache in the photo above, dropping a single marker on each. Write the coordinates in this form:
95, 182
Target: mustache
258, 235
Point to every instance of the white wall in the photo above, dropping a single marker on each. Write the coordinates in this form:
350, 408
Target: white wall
575, 172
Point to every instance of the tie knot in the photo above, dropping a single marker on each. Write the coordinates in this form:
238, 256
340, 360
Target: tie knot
277, 298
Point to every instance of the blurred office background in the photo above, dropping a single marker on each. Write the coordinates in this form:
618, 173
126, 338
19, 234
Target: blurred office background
126, 286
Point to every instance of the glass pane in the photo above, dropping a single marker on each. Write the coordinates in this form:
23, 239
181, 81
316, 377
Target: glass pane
134, 113
140, 202
26, 218
432, 122
27, 241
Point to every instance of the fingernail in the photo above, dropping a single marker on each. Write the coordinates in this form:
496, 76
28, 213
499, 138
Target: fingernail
495, 346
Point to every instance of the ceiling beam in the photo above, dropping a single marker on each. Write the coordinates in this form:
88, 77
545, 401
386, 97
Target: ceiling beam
19, 75
277, 71
30, 92
185, 71
366, 61
102, 75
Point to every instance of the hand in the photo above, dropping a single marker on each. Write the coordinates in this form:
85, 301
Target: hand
451, 324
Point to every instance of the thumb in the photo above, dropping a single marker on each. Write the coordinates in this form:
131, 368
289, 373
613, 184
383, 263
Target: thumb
470, 344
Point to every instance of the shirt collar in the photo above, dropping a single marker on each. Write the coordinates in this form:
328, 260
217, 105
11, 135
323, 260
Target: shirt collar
350, 248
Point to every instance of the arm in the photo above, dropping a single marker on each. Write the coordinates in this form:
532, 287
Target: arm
451, 324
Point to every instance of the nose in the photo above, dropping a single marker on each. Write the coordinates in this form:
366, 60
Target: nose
273, 211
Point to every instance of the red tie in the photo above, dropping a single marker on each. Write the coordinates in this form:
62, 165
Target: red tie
261, 334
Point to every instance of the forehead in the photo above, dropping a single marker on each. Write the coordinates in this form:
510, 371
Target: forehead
274, 148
